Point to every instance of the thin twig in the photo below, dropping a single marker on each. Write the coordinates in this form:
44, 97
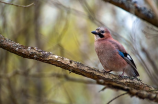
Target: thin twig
116, 97
36, 75
24, 6
103, 89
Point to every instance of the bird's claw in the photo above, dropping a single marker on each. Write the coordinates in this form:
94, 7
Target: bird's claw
104, 71
121, 76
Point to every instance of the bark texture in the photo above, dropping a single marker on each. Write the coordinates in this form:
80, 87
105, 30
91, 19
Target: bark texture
133, 86
136, 9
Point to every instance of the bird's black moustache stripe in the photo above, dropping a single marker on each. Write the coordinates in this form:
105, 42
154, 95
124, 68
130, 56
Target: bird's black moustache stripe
101, 35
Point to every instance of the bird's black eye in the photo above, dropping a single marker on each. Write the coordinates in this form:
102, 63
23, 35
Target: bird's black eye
102, 31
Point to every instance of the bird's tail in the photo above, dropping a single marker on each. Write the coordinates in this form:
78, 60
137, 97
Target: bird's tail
130, 71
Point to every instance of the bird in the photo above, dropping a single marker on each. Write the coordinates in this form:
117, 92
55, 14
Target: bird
112, 54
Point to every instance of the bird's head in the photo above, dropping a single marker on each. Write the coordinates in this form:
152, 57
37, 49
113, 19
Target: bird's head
101, 33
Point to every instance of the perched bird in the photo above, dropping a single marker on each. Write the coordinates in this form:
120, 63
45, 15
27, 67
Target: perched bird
112, 54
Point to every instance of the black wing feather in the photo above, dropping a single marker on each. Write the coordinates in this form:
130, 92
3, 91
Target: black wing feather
126, 55
130, 63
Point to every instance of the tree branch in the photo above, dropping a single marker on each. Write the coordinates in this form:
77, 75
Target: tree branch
132, 86
24, 6
139, 11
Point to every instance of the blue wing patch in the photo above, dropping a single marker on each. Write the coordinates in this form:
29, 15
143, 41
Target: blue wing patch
121, 54
127, 56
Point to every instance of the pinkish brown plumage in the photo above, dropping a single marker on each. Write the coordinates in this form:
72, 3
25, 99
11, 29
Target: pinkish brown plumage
112, 54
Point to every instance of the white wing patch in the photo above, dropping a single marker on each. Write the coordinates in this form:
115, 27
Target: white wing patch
129, 57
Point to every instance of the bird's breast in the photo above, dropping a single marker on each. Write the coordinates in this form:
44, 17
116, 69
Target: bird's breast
108, 55
105, 48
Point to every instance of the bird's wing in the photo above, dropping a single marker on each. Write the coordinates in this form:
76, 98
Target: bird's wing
129, 60
122, 52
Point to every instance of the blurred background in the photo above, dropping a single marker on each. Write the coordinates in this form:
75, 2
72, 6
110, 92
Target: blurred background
64, 27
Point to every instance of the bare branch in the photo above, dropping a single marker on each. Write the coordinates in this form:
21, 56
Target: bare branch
153, 6
24, 6
37, 75
139, 11
132, 86
116, 97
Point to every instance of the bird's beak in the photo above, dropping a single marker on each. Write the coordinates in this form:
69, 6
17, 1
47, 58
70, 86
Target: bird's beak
94, 32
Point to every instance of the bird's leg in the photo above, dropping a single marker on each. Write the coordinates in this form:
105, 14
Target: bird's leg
122, 73
104, 71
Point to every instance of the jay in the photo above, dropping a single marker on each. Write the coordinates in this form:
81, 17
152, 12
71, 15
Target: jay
112, 54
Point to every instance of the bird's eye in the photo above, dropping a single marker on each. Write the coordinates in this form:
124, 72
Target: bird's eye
102, 31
